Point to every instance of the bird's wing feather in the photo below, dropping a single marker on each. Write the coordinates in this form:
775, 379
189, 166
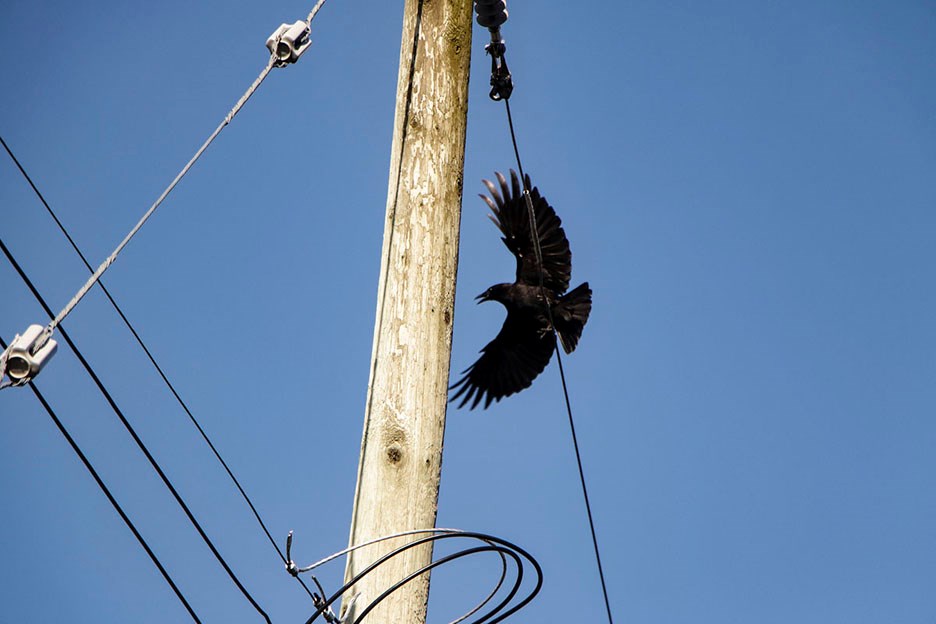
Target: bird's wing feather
511, 216
508, 364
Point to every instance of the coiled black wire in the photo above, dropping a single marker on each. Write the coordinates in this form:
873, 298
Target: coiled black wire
507, 551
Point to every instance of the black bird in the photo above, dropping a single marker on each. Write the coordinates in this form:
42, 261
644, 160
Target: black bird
522, 349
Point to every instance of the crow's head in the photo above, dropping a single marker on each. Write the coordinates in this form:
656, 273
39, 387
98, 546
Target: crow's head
497, 292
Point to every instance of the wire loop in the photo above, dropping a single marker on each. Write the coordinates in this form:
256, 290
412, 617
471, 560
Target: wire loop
506, 551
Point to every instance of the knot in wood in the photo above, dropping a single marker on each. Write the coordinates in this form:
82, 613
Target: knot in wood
394, 443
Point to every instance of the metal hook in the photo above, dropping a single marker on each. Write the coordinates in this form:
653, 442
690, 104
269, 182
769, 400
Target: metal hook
501, 82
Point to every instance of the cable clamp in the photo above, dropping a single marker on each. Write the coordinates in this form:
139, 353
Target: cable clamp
288, 42
291, 566
318, 599
26, 356
326, 610
501, 82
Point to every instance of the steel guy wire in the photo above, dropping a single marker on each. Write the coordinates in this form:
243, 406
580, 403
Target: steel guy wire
152, 360
110, 497
313, 12
110, 259
95, 276
136, 438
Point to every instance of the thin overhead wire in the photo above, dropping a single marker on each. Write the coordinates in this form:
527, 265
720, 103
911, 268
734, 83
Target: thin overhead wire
565, 389
110, 497
133, 434
95, 277
152, 360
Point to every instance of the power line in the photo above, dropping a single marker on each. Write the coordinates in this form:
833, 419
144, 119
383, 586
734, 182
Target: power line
110, 497
565, 390
133, 434
296, 41
152, 360
492, 14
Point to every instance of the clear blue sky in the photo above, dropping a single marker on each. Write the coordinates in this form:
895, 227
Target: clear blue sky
748, 187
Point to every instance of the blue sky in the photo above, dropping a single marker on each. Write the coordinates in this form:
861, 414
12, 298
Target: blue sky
748, 187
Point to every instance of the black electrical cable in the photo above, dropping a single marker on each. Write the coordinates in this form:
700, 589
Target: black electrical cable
133, 434
110, 497
452, 557
152, 360
325, 606
486, 538
565, 390
494, 544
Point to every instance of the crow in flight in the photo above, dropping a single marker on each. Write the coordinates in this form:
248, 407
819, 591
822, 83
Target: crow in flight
522, 349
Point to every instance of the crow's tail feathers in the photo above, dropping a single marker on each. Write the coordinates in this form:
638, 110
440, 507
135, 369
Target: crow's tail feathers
570, 314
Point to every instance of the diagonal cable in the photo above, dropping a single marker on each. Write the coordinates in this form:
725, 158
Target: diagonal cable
135, 436
152, 360
534, 232
110, 497
96, 275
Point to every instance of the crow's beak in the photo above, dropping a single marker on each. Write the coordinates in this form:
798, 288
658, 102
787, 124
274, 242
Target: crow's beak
483, 297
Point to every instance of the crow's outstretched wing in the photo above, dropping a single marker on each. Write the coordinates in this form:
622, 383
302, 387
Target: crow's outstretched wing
511, 217
508, 364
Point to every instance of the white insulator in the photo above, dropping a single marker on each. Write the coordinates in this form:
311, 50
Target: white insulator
21, 363
288, 42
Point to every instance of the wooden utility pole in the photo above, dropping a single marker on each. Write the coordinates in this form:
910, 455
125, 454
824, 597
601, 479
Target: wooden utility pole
404, 419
